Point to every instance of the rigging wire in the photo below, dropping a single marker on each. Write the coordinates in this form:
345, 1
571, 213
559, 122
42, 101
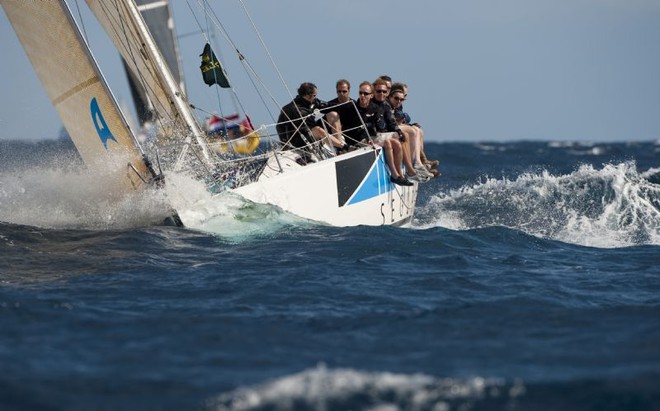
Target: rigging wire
122, 31
82, 23
203, 7
270, 57
252, 74
263, 44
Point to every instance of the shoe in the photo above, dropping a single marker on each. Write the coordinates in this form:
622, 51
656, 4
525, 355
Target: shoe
400, 181
434, 172
432, 163
423, 171
419, 178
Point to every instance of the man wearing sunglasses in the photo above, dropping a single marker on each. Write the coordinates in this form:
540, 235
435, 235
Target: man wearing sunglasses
338, 111
396, 99
387, 123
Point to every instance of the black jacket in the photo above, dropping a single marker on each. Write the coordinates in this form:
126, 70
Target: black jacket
292, 134
350, 114
385, 121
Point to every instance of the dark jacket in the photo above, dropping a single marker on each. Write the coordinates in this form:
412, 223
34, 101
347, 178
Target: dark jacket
385, 121
401, 116
350, 115
289, 128
369, 116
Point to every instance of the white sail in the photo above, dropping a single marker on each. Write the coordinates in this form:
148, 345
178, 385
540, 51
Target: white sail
124, 24
76, 88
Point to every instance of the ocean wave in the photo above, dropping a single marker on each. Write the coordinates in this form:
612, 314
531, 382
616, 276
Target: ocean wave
615, 206
347, 389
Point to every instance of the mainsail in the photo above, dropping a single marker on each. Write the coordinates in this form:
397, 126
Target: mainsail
77, 89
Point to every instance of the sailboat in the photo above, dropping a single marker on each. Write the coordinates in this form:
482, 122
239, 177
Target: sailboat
341, 190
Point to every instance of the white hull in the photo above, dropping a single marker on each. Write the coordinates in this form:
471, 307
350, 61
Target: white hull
347, 190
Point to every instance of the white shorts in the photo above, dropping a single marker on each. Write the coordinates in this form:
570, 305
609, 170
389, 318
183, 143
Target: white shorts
382, 137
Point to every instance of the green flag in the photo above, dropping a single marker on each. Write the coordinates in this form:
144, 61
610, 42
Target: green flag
212, 71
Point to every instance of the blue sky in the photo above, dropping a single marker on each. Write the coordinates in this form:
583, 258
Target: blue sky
478, 70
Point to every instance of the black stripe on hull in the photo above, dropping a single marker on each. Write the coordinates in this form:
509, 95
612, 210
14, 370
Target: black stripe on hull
350, 174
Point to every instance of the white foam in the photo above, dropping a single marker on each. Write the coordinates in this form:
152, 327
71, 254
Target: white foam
225, 214
610, 207
319, 388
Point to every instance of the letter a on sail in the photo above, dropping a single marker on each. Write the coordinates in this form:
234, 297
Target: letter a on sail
99, 122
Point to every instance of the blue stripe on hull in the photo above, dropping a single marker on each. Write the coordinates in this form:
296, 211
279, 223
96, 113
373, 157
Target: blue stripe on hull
375, 183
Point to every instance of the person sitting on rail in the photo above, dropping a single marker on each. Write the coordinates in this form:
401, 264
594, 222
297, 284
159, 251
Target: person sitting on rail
387, 123
297, 126
396, 98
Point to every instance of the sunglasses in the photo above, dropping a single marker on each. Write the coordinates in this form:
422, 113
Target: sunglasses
362, 93
381, 91
399, 98
342, 91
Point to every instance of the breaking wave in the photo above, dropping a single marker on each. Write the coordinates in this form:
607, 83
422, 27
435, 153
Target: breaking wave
615, 206
345, 389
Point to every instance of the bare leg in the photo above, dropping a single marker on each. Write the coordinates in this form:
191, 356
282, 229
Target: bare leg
335, 127
420, 134
410, 170
415, 143
398, 156
320, 134
390, 159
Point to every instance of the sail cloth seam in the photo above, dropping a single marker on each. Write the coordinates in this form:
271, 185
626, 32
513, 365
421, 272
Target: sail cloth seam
75, 90
152, 5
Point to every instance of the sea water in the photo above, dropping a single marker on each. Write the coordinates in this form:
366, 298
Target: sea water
529, 280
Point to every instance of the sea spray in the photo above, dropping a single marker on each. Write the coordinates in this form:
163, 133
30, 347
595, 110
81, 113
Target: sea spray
610, 207
54, 197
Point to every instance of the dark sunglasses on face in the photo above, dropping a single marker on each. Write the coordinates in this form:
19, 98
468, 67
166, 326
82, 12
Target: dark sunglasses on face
381, 91
362, 93
342, 91
398, 98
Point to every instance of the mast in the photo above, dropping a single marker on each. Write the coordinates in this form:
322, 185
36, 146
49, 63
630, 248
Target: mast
123, 22
157, 14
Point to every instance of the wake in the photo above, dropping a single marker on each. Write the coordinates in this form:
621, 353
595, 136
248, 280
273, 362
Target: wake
612, 207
